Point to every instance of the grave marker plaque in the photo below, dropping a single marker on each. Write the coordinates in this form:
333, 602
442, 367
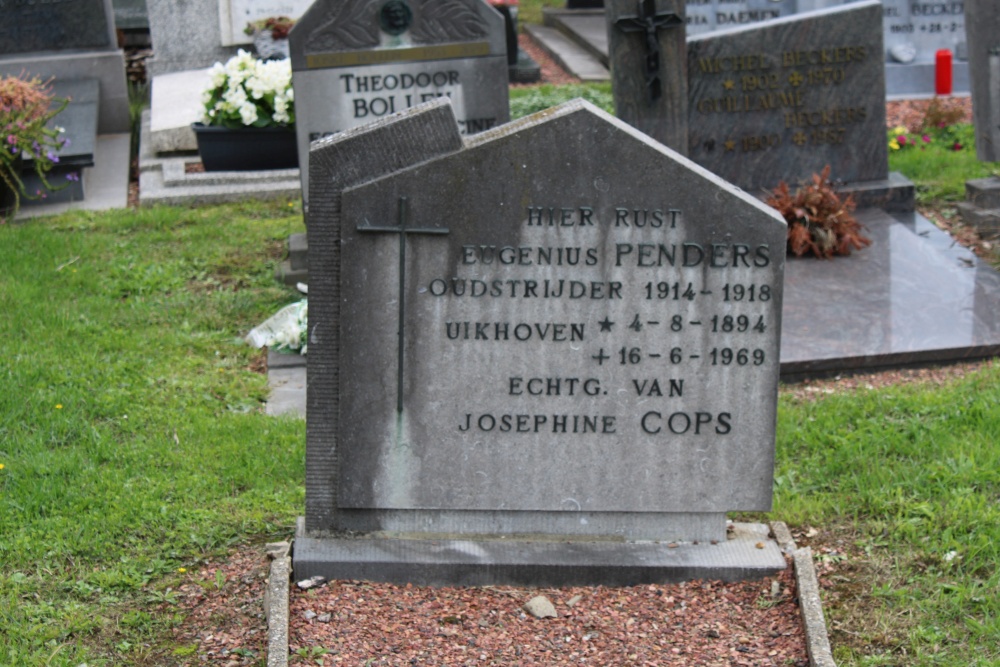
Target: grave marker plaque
780, 101
558, 327
355, 61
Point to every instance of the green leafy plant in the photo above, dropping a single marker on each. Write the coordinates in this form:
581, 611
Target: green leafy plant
819, 220
27, 105
248, 92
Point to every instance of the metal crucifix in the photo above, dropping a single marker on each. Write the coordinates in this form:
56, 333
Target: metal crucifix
402, 230
650, 22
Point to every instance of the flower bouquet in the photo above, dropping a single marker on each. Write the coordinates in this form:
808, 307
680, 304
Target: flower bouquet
249, 102
270, 36
27, 105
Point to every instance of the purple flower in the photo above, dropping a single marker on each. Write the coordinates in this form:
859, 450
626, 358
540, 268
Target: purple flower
72, 176
52, 157
11, 139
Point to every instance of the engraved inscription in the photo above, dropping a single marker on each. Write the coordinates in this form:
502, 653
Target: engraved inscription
699, 310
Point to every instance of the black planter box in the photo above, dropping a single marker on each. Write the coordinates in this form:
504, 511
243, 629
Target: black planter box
246, 149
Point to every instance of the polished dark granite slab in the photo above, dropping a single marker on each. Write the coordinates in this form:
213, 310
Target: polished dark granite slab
911, 298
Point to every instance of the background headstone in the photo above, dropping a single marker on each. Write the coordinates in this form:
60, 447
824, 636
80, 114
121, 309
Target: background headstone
235, 14
186, 35
779, 101
69, 40
131, 15
708, 15
983, 29
559, 327
354, 62
648, 67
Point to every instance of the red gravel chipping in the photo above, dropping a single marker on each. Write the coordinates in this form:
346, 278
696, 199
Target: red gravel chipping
694, 623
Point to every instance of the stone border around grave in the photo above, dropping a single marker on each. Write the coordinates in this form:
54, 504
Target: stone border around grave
276, 603
164, 180
276, 600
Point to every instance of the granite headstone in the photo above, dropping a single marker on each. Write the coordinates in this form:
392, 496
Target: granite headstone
67, 41
558, 328
708, 15
39, 26
355, 61
983, 29
779, 101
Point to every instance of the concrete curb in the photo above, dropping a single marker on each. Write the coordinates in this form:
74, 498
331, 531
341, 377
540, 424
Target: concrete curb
276, 604
807, 584
810, 606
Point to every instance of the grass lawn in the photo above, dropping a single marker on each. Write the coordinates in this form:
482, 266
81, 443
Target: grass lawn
132, 444
131, 437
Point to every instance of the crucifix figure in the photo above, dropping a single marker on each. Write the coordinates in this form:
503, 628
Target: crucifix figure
650, 23
402, 230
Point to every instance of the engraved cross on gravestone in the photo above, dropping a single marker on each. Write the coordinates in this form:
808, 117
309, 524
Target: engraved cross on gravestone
402, 230
650, 22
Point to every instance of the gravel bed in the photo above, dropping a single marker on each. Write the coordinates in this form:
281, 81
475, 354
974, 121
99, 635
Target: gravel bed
694, 623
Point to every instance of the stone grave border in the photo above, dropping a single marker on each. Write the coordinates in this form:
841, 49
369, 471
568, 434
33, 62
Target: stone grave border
806, 584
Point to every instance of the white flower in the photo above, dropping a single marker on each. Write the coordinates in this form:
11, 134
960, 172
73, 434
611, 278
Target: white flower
250, 90
248, 112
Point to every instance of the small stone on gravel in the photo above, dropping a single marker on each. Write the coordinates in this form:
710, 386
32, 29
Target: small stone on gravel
312, 582
540, 607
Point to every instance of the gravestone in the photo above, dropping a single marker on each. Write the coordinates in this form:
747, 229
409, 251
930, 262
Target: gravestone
72, 46
983, 29
234, 15
780, 101
355, 61
186, 35
648, 68
545, 354
708, 15
913, 33
71, 40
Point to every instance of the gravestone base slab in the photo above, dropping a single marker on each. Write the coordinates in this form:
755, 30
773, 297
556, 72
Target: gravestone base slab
896, 194
748, 553
983, 192
986, 221
107, 67
166, 180
526, 70
981, 208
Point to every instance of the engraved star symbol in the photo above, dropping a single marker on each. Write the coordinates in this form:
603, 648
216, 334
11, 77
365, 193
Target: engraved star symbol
799, 138
728, 84
606, 324
795, 79
730, 145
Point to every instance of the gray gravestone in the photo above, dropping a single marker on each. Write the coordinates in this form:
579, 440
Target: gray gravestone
779, 101
131, 15
186, 35
913, 33
648, 68
708, 15
235, 14
983, 31
37, 26
68, 41
558, 328
355, 61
